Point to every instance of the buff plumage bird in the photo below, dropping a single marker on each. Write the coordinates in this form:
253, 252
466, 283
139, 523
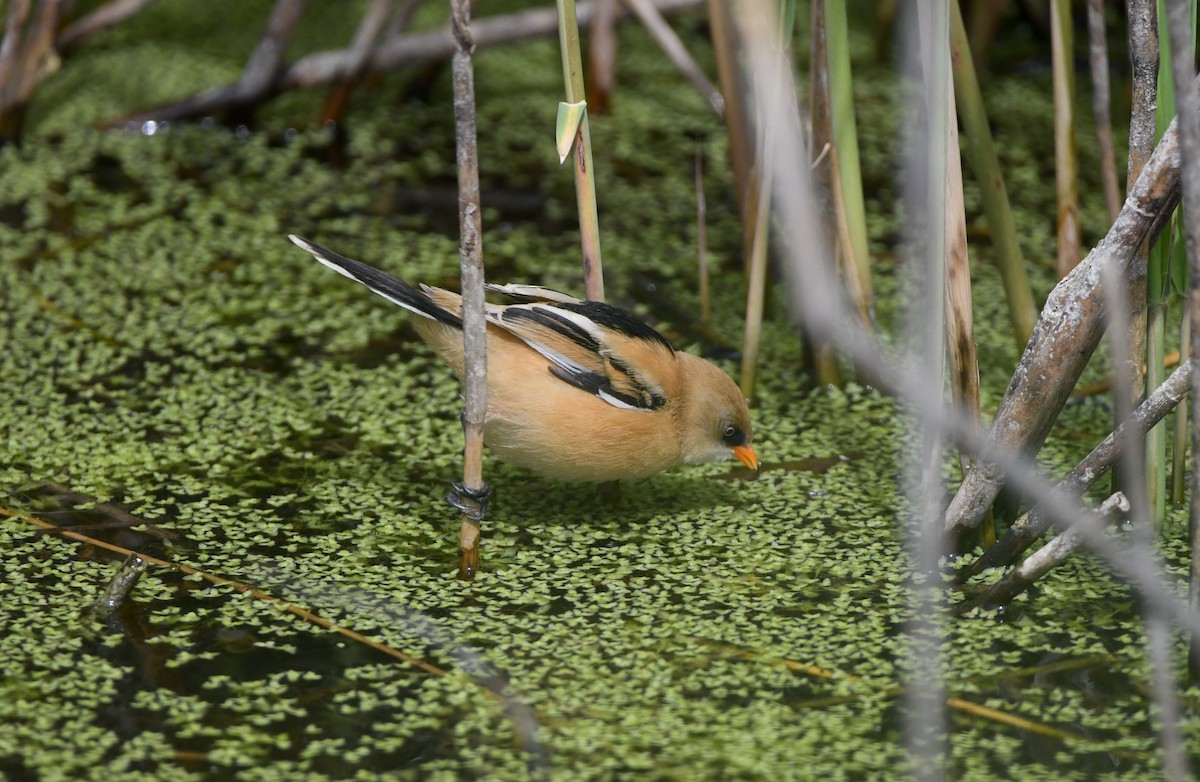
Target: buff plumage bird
577, 390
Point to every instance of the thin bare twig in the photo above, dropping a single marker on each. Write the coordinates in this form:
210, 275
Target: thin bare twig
390, 53
1047, 557
10, 47
702, 238
107, 15
1066, 164
237, 586
394, 52
585, 172
737, 122
669, 42
470, 227
1102, 115
365, 37
263, 65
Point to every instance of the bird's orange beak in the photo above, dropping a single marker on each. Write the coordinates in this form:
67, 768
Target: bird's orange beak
746, 455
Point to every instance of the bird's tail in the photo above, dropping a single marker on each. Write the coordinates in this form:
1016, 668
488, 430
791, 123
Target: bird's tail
387, 286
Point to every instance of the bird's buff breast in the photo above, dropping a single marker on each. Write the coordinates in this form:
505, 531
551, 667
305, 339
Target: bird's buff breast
585, 441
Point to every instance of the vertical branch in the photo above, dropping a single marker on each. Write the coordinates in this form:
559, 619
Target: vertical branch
847, 171
702, 238
960, 327
1158, 626
27, 56
757, 269
925, 199
1159, 262
1143, 57
1065, 163
1098, 60
602, 55
10, 47
1181, 29
474, 494
981, 152
737, 122
1180, 442
585, 187
757, 283
828, 176
825, 184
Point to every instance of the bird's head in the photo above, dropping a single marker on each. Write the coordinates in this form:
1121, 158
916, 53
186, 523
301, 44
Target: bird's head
714, 420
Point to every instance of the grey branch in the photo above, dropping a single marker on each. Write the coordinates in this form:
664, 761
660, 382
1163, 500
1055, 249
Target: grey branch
1051, 555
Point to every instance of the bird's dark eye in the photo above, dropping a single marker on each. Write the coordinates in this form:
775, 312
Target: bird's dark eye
732, 436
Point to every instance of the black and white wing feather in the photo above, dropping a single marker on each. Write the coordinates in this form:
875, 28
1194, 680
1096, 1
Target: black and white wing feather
394, 290
593, 346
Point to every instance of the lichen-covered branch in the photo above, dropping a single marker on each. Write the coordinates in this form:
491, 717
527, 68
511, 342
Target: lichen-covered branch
1066, 334
1034, 524
1048, 557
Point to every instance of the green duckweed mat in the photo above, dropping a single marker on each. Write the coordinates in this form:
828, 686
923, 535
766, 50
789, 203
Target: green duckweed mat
181, 381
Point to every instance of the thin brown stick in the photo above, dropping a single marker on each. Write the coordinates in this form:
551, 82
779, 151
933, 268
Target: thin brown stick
393, 52
238, 586
602, 56
702, 238
1101, 113
737, 122
471, 261
390, 53
1066, 164
10, 47
957, 704
756, 292
827, 179
960, 325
